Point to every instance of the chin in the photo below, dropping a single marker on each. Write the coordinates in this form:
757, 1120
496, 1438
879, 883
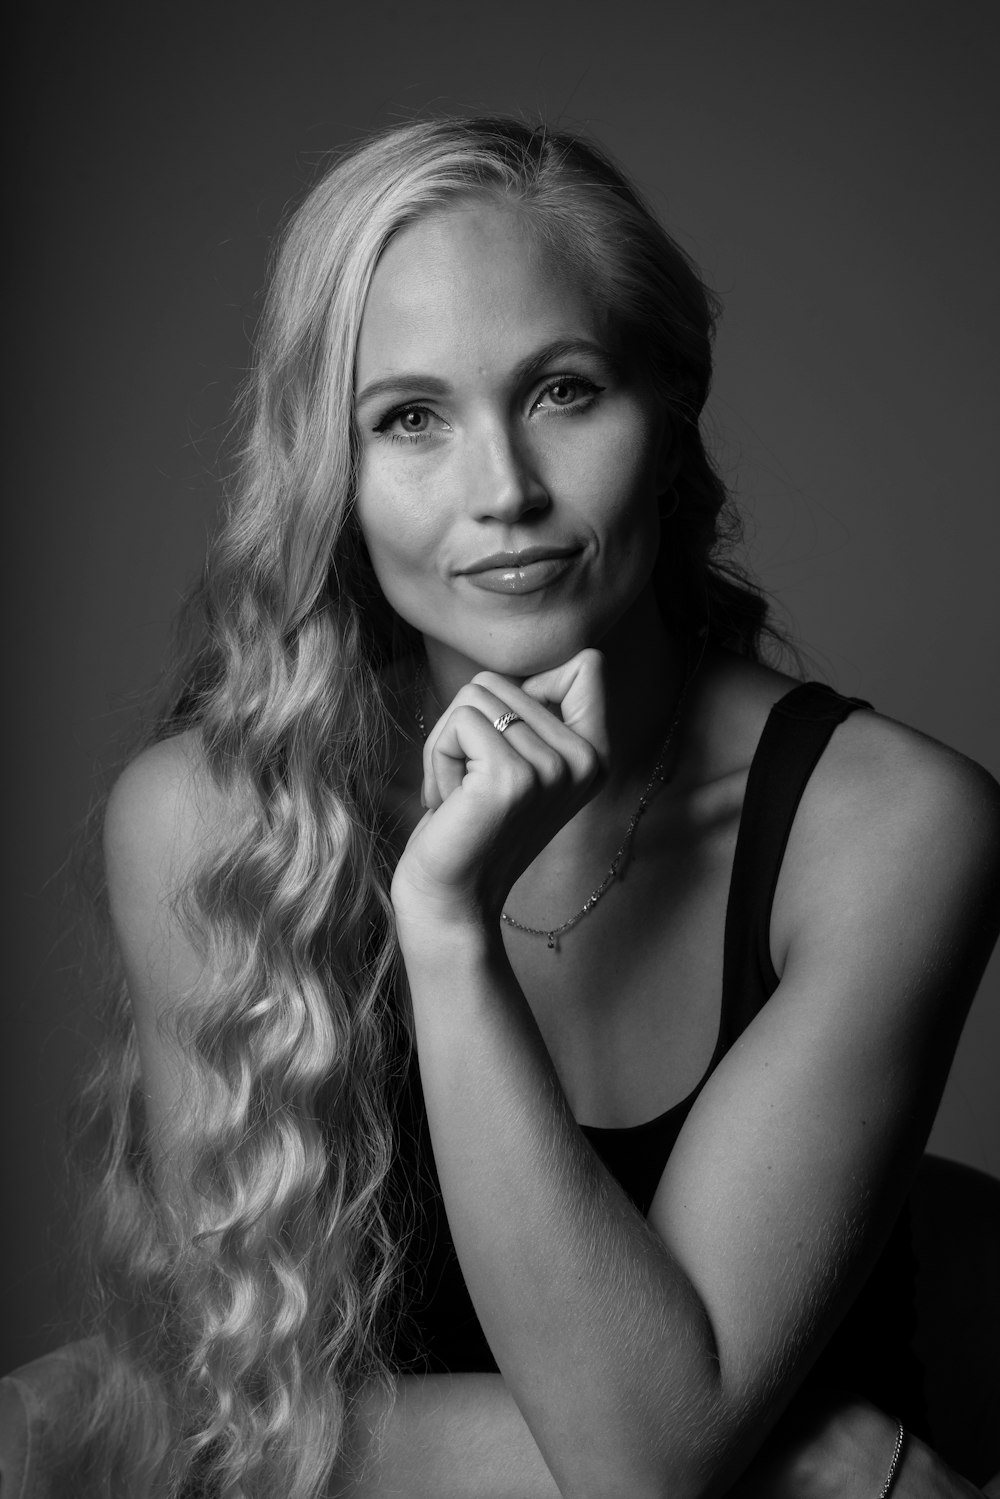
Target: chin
529, 645
529, 657
520, 667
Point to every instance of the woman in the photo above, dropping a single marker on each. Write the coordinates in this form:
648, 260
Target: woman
462, 754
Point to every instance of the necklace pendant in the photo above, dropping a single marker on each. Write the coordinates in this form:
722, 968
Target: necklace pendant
551, 941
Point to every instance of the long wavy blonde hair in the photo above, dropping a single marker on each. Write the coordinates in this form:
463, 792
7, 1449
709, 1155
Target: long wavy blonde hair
238, 1320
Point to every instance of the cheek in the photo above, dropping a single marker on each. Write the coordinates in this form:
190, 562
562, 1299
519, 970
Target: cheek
624, 483
400, 531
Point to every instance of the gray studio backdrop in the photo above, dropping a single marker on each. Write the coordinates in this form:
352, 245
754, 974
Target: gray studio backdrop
827, 164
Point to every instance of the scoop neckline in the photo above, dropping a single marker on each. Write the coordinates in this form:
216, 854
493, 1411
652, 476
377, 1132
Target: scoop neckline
721, 1036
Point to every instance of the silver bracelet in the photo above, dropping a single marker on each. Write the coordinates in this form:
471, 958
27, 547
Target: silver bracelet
897, 1453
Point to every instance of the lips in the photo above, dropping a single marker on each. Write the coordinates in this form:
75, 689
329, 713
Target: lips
521, 572
518, 559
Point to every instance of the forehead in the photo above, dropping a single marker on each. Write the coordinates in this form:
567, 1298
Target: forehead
469, 285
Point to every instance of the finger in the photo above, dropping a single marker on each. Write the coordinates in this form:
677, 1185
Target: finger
456, 738
478, 694
577, 690
467, 751
466, 743
444, 769
546, 723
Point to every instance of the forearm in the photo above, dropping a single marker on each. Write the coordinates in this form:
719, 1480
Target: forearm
600, 1335
445, 1437
463, 1437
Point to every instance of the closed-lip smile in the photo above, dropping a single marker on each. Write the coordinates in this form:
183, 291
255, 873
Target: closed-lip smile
526, 571
518, 559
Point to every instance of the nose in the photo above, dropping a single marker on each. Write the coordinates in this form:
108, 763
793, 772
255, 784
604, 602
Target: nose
506, 482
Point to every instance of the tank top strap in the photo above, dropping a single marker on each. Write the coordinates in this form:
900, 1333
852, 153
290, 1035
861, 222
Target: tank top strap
798, 729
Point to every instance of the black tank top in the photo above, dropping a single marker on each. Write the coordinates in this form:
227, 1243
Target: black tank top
871, 1352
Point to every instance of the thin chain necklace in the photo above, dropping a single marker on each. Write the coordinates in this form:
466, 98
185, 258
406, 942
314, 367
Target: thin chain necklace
657, 779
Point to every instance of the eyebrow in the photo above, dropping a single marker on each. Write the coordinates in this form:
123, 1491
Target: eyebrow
433, 385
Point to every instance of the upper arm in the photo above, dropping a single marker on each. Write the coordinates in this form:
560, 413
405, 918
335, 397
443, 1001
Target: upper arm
157, 826
793, 1163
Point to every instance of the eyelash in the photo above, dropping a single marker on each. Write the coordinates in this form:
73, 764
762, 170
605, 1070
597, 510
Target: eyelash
589, 388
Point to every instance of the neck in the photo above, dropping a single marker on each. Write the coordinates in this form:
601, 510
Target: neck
646, 670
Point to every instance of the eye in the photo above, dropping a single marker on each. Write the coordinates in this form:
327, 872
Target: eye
568, 392
406, 424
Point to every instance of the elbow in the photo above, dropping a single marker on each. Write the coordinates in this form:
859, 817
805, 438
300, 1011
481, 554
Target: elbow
639, 1475
631, 1484
699, 1456
674, 1439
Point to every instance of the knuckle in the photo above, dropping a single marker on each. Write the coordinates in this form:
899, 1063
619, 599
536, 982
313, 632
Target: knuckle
463, 698
467, 716
517, 777
552, 767
591, 660
588, 762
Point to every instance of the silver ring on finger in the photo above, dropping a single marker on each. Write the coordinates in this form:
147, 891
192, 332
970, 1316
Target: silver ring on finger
503, 723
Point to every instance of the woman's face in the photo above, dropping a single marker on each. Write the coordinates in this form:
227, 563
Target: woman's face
509, 464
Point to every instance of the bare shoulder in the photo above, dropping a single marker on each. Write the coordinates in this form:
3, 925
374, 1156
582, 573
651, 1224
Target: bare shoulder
163, 816
897, 839
163, 813
876, 777
880, 778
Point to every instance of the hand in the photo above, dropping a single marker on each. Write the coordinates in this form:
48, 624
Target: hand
832, 1445
495, 800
